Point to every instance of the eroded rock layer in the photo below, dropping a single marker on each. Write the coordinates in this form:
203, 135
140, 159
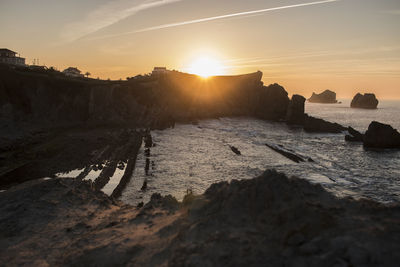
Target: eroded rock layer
269, 220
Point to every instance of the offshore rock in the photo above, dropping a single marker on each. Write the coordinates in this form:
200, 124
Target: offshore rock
367, 101
295, 112
326, 97
381, 135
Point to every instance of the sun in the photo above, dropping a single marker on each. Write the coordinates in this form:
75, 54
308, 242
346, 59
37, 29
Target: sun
206, 67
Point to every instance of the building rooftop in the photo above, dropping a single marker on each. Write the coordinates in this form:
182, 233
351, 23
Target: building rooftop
72, 69
6, 50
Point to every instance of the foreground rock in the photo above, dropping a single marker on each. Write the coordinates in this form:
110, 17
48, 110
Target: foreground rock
367, 101
326, 97
269, 220
381, 135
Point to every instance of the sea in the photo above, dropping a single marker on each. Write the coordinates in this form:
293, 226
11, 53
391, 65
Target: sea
191, 157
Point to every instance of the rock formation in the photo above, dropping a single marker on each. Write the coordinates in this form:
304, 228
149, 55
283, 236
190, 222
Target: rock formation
326, 97
293, 156
55, 100
272, 103
317, 125
354, 135
269, 220
367, 101
381, 135
235, 150
295, 111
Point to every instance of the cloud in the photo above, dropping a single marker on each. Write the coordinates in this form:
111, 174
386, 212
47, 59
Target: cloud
108, 14
227, 16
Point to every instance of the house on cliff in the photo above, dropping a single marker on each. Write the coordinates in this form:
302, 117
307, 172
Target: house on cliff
8, 56
159, 71
73, 72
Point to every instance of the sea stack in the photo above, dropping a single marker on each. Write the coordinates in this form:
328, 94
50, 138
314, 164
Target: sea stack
326, 97
381, 135
367, 101
295, 112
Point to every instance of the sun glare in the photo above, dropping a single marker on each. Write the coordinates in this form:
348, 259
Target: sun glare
206, 67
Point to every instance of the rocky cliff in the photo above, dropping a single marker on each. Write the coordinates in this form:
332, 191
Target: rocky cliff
48, 97
45, 98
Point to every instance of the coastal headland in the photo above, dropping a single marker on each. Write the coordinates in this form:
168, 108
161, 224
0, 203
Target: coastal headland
54, 124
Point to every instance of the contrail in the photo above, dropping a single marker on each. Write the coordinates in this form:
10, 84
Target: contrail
240, 14
232, 15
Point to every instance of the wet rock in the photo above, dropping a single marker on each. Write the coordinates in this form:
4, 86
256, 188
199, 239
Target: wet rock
295, 112
147, 166
312, 124
121, 165
286, 153
235, 150
168, 202
381, 135
144, 186
354, 135
148, 141
147, 152
367, 101
326, 97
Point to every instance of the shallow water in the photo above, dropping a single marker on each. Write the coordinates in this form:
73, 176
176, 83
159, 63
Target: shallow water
114, 181
195, 156
70, 174
92, 175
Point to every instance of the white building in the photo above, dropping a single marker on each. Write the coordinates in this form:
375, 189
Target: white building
10, 57
73, 72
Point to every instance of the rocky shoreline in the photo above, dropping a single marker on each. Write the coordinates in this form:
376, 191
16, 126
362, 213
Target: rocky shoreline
99, 126
270, 219
53, 124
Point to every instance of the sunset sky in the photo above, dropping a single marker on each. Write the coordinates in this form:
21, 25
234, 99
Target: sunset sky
347, 46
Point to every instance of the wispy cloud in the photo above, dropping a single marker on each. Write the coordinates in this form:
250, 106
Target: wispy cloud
381, 52
227, 16
392, 12
107, 15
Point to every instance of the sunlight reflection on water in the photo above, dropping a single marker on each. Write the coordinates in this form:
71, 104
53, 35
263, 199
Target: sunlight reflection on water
195, 156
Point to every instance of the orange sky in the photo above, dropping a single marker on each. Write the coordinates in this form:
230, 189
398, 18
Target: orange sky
347, 46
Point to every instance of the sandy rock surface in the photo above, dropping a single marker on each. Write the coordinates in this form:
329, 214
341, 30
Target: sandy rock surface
269, 220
